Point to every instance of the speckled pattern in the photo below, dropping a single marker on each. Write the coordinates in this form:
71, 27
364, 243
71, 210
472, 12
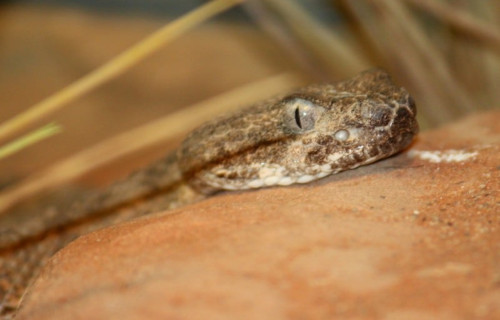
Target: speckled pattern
352, 123
296, 138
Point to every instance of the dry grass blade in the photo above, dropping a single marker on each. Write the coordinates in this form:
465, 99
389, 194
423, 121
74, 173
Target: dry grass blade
388, 41
337, 54
144, 136
29, 139
431, 56
116, 66
351, 12
281, 34
489, 35
490, 64
411, 66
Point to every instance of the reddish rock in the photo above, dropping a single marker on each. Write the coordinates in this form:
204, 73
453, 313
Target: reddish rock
412, 237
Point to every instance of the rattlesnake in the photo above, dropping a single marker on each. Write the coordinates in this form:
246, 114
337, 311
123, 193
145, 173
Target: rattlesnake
295, 138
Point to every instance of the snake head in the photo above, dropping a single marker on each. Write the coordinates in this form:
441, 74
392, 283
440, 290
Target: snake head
306, 135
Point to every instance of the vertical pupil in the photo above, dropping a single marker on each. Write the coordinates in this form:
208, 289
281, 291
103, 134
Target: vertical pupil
297, 117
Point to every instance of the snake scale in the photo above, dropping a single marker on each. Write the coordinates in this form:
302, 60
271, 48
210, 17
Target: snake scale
299, 137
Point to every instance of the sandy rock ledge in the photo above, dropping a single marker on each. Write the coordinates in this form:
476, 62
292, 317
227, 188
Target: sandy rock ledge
412, 237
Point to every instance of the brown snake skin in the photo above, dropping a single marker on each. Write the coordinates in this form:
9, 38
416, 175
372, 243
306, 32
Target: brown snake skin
295, 138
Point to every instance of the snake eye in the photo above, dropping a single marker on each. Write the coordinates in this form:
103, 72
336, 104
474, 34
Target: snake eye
302, 114
297, 118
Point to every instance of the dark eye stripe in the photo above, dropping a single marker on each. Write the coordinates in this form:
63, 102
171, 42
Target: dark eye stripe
297, 118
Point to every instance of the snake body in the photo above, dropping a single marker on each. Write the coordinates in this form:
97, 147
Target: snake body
308, 134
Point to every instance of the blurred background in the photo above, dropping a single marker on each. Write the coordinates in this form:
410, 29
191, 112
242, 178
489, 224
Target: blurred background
445, 52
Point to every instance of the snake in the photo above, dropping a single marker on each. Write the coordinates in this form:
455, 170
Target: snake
294, 138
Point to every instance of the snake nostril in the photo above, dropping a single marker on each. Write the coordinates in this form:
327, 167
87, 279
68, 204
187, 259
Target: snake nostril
404, 125
412, 105
402, 120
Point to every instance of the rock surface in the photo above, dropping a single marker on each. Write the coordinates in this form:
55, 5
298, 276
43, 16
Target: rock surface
412, 237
